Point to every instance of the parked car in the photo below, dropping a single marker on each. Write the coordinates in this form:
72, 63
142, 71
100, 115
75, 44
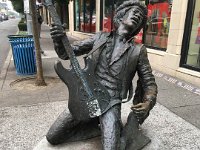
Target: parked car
5, 17
11, 16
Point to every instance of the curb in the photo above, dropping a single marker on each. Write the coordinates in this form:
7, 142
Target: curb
5, 69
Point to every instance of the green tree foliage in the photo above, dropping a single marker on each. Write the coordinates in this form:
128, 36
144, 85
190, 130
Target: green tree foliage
18, 5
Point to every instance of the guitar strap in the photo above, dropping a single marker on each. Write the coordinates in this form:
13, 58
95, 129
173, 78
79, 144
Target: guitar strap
96, 47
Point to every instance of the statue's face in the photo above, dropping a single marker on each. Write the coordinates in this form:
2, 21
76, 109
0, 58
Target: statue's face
132, 20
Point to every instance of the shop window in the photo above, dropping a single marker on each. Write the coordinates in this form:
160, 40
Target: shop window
107, 13
159, 12
85, 16
191, 41
139, 37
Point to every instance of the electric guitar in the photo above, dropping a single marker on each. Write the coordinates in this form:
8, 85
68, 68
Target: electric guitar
87, 97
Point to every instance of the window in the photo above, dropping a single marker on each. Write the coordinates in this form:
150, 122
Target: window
190, 57
85, 15
107, 15
159, 12
139, 37
108, 12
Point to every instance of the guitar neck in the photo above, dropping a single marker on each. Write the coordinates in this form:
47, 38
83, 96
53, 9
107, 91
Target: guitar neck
69, 50
65, 39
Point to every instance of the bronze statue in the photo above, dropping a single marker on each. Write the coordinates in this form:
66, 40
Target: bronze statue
115, 59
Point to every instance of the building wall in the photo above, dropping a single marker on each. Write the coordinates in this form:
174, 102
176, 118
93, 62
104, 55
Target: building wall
168, 61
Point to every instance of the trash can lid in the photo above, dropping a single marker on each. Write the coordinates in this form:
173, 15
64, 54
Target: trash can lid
20, 36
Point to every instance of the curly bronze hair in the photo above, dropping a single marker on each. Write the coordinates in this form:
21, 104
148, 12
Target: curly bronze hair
124, 8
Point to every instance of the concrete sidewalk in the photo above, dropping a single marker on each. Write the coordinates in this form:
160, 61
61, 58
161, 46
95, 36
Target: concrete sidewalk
26, 111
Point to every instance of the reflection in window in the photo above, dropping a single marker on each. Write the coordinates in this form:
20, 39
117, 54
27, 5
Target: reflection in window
108, 12
109, 7
193, 57
159, 12
85, 15
139, 37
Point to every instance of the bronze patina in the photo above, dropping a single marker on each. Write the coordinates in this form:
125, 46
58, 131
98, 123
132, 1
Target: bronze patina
112, 60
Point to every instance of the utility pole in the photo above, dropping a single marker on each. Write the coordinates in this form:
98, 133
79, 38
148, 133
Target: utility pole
40, 78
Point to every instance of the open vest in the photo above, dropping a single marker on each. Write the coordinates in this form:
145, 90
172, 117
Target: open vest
132, 51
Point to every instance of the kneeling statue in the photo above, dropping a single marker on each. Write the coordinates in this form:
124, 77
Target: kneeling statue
115, 58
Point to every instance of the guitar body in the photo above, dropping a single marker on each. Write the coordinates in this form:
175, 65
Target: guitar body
87, 97
81, 106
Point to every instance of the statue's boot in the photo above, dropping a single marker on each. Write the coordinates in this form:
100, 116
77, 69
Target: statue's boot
132, 138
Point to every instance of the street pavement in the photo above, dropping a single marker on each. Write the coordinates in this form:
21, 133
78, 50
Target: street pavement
27, 112
8, 27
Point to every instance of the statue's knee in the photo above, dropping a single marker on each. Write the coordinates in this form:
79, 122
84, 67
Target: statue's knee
52, 139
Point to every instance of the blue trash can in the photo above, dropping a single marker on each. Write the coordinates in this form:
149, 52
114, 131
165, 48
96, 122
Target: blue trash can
23, 54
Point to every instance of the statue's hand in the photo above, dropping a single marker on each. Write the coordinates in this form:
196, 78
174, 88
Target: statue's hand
57, 32
141, 109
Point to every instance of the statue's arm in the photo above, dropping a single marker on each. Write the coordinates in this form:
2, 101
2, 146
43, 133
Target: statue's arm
79, 47
146, 78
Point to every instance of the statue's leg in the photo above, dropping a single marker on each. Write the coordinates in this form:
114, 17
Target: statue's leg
67, 129
131, 137
110, 128
62, 128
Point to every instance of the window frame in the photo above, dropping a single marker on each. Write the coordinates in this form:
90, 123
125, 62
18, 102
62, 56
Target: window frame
187, 35
84, 17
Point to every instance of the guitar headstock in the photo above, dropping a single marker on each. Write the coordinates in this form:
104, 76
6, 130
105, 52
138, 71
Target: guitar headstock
47, 2
55, 17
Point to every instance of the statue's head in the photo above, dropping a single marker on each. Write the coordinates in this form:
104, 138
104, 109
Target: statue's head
131, 16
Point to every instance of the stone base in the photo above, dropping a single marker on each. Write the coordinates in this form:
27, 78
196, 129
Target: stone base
165, 129
91, 144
